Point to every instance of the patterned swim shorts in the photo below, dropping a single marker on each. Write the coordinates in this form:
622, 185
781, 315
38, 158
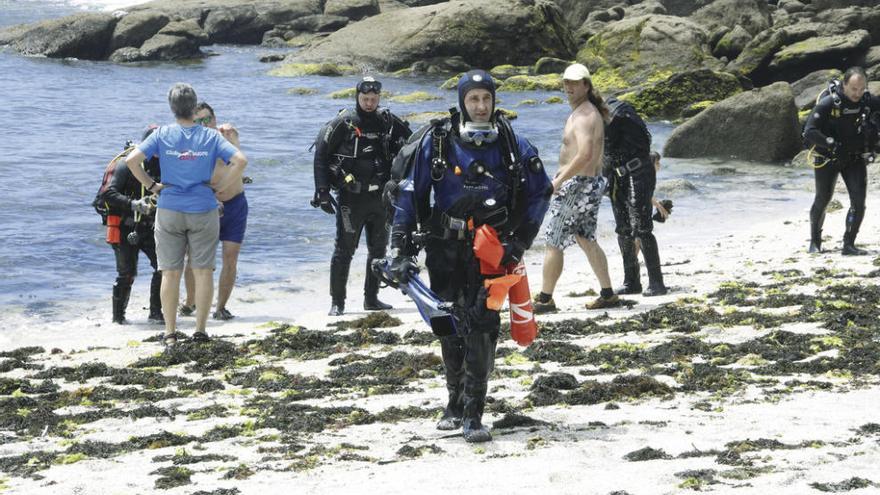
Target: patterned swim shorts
573, 211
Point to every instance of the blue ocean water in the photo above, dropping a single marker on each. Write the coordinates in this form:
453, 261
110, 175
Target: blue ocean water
63, 120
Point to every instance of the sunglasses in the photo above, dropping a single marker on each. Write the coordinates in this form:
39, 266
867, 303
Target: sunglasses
369, 87
203, 120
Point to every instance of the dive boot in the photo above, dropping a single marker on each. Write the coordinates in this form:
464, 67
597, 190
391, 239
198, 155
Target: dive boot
815, 241
631, 282
849, 238
656, 287
156, 316
449, 421
120, 303
850, 249
156, 299
473, 431
336, 309
374, 304
371, 290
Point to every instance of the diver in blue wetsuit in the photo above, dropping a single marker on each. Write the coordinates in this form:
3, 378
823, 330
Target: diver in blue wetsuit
471, 169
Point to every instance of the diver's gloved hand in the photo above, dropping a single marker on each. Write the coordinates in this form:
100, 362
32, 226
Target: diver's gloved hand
834, 146
324, 201
142, 206
402, 268
513, 252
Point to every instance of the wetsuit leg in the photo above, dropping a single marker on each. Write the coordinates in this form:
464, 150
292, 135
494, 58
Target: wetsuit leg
641, 190
148, 246
445, 283
349, 223
855, 176
825, 178
631, 279
377, 240
126, 271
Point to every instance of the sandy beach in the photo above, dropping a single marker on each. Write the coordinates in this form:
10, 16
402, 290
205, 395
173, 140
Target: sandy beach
756, 374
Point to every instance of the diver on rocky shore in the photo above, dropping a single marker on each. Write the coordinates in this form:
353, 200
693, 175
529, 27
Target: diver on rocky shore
840, 135
471, 173
353, 154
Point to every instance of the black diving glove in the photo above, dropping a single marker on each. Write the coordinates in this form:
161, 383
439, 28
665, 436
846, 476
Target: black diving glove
324, 201
402, 268
513, 252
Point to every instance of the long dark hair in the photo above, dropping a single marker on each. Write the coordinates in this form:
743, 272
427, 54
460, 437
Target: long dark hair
596, 99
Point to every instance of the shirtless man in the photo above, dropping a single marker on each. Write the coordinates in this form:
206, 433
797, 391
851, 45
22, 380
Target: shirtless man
233, 221
578, 188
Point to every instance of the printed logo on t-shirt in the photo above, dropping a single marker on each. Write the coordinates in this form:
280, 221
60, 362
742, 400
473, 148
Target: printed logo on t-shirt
187, 155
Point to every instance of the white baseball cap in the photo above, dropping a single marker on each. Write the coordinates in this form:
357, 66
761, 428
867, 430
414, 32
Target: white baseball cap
576, 72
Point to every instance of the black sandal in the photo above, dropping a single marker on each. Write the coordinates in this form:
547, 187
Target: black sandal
169, 340
200, 337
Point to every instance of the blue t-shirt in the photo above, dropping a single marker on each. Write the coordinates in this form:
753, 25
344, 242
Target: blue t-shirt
186, 157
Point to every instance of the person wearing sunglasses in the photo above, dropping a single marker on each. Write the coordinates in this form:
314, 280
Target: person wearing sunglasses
353, 154
233, 222
187, 220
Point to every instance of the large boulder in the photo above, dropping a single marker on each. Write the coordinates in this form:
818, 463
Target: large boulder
684, 8
135, 28
872, 58
646, 48
732, 43
189, 29
798, 59
667, 98
807, 88
166, 47
577, 11
289, 10
239, 24
84, 36
755, 58
170, 47
318, 23
352, 9
851, 19
484, 33
759, 125
821, 5
752, 15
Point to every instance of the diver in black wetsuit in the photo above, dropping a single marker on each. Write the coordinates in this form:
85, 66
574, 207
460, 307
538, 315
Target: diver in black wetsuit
840, 134
353, 156
127, 198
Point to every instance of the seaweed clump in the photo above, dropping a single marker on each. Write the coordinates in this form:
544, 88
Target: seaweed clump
592, 392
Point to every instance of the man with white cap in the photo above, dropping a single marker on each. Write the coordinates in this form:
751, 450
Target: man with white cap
578, 188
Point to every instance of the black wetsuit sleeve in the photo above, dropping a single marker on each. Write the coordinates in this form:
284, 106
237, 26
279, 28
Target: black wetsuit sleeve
327, 142
116, 194
400, 132
818, 126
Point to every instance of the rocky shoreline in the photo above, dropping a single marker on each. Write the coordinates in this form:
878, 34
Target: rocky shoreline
672, 59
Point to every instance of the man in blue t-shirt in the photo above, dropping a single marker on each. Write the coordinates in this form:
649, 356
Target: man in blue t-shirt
187, 217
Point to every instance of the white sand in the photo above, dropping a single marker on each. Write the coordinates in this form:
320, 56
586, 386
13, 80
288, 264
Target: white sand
569, 457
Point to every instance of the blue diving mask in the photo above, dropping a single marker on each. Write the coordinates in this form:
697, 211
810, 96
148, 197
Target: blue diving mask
478, 133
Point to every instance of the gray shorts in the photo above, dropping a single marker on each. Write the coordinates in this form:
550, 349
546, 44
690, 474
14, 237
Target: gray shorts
178, 232
574, 210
